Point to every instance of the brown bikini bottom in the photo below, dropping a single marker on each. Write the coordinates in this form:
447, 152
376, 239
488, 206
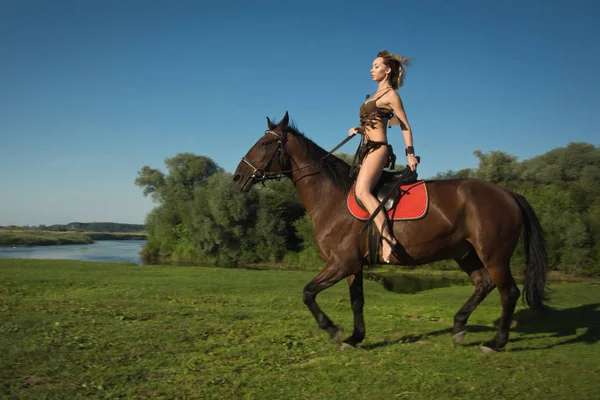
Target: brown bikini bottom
367, 147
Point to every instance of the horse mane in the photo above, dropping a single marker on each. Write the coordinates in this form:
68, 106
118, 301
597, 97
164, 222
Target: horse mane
336, 170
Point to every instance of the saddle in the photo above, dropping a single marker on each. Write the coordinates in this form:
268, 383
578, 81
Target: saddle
388, 188
401, 195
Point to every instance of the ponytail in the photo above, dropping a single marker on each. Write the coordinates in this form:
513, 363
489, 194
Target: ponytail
398, 65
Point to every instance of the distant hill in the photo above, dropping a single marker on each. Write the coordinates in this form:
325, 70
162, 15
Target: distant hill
88, 227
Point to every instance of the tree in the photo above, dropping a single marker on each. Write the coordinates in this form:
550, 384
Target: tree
575, 157
496, 166
577, 250
268, 233
152, 181
451, 174
286, 196
185, 172
170, 228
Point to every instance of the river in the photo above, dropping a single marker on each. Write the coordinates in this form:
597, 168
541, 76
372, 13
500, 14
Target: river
101, 250
128, 251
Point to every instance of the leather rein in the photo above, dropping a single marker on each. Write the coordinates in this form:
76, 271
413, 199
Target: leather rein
262, 174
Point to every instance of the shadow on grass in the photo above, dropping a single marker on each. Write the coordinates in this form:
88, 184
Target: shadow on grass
555, 323
560, 324
416, 338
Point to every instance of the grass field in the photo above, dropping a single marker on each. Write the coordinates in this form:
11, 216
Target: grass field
71, 329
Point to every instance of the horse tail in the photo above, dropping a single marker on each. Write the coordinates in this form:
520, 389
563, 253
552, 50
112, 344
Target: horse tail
536, 258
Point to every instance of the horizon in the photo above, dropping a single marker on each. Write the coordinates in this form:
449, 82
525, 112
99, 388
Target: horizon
93, 92
69, 223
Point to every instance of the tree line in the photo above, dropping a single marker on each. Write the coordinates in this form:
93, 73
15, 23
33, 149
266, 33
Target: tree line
83, 227
202, 217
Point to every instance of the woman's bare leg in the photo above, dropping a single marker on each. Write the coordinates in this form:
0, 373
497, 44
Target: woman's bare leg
368, 176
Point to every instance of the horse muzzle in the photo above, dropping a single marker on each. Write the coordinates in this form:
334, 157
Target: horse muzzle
243, 183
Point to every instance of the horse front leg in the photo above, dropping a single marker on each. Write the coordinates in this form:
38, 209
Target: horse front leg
357, 302
333, 272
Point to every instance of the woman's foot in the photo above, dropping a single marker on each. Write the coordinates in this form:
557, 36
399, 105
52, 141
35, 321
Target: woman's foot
388, 247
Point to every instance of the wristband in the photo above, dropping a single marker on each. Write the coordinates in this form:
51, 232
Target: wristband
409, 150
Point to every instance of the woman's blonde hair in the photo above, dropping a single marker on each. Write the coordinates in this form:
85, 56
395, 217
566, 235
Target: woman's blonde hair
398, 64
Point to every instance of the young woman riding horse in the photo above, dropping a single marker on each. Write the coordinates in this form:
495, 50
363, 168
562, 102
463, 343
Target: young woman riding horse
375, 152
475, 222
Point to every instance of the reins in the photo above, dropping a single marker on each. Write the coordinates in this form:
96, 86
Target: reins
261, 175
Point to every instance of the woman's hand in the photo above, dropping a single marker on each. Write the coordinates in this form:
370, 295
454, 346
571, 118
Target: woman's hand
354, 130
412, 162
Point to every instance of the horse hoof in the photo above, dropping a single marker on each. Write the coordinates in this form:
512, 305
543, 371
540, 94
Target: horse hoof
338, 336
345, 346
459, 337
489, 350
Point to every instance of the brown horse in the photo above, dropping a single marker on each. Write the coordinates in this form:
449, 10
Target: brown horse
472, 221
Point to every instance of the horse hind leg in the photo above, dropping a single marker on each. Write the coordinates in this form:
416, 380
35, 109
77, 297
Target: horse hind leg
473, 266
509, 294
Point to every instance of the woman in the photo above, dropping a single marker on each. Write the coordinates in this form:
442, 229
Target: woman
375, 153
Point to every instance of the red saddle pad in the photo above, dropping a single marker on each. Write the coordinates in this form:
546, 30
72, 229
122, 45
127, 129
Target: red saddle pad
413, 203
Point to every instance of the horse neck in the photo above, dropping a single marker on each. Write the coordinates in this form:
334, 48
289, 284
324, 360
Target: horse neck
315, 189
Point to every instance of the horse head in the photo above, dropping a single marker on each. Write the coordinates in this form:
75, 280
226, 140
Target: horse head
267, 159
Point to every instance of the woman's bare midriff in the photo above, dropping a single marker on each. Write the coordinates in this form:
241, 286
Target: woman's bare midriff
376, 135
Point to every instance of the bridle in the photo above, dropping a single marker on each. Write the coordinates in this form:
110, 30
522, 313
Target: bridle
262, 174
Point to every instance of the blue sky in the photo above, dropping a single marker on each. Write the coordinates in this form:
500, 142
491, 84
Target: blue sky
91, 91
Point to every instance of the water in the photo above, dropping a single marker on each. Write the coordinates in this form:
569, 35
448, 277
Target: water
128, 251
408, 283
102, 250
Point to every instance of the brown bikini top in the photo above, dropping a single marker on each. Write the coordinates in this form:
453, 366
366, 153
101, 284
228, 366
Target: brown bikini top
371, 115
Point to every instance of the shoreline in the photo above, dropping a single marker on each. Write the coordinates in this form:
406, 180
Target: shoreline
23, 246
25, 238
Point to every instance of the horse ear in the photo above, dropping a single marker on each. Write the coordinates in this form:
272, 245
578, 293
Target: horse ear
284, 121
270, 124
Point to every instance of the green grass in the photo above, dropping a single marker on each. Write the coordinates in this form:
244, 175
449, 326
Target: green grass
71, 329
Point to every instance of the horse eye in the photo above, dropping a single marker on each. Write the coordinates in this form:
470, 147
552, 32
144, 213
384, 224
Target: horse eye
265, 144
